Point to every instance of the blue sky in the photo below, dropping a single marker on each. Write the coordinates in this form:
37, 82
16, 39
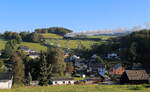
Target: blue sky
78, 15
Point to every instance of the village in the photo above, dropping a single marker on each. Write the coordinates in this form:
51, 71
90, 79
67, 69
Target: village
89, 71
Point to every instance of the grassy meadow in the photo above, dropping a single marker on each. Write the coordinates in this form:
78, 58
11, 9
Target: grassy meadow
102, 37
81, 88
34, 46
71, 43
50, 35
2, 44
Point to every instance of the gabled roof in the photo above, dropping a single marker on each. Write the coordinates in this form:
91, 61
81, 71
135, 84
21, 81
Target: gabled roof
24, 48
6, 76
137, 74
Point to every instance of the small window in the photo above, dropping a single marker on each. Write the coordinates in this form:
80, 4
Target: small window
56, 82
69, 82
63, 81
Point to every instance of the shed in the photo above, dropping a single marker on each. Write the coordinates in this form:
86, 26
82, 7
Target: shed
134, 77
6, 80
62, 81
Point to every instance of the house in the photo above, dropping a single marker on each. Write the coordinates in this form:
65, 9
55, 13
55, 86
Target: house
26, 49
62, 81
34, 55
134, 77
112, 55
118, 69
6, 80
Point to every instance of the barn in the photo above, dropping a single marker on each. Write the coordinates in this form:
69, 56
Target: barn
6, 80
134, 77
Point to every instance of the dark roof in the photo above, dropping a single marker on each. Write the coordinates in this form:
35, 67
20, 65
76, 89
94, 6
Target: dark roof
137, 74
6, 76
24, 48
61, 79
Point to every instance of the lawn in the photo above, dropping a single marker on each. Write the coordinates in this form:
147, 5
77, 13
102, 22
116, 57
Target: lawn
102, 37
2, 44
34, 46
82, 88
50, 35
71, 43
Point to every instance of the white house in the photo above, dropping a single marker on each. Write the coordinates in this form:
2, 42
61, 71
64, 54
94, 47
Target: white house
34, 55
61, 81
6, 80
112, 55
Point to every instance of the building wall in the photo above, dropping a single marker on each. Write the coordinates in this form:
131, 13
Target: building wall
6, 85
62, 82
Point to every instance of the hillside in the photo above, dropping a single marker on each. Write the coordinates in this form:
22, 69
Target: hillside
2, 44
34, 46
51, 35
71, 43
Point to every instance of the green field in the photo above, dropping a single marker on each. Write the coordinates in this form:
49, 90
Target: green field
102, 37
81, 88
71, 43
2, 44
34, 46
50, 35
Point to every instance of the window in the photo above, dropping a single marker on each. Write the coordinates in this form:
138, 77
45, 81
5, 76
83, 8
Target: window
63, 81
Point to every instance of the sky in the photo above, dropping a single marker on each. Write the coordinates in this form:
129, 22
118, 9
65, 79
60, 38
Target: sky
78, 15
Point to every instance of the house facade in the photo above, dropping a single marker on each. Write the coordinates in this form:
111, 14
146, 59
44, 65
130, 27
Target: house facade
62, 81
6, 80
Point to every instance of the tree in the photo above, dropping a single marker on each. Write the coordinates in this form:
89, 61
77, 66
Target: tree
43, 72
56, 30
56, 59
2, 66
10, 48
13, 36
69, 67
18, 68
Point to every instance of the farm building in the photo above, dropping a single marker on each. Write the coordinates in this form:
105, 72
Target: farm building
6, 80
62, 81
134, 77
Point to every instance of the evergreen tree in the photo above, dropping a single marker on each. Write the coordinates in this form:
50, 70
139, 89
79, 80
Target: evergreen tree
18, 69
43, 71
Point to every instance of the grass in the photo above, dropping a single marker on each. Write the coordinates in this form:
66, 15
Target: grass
50, 35
2, 44
34, 46
80, 88
71, 43
101, 37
